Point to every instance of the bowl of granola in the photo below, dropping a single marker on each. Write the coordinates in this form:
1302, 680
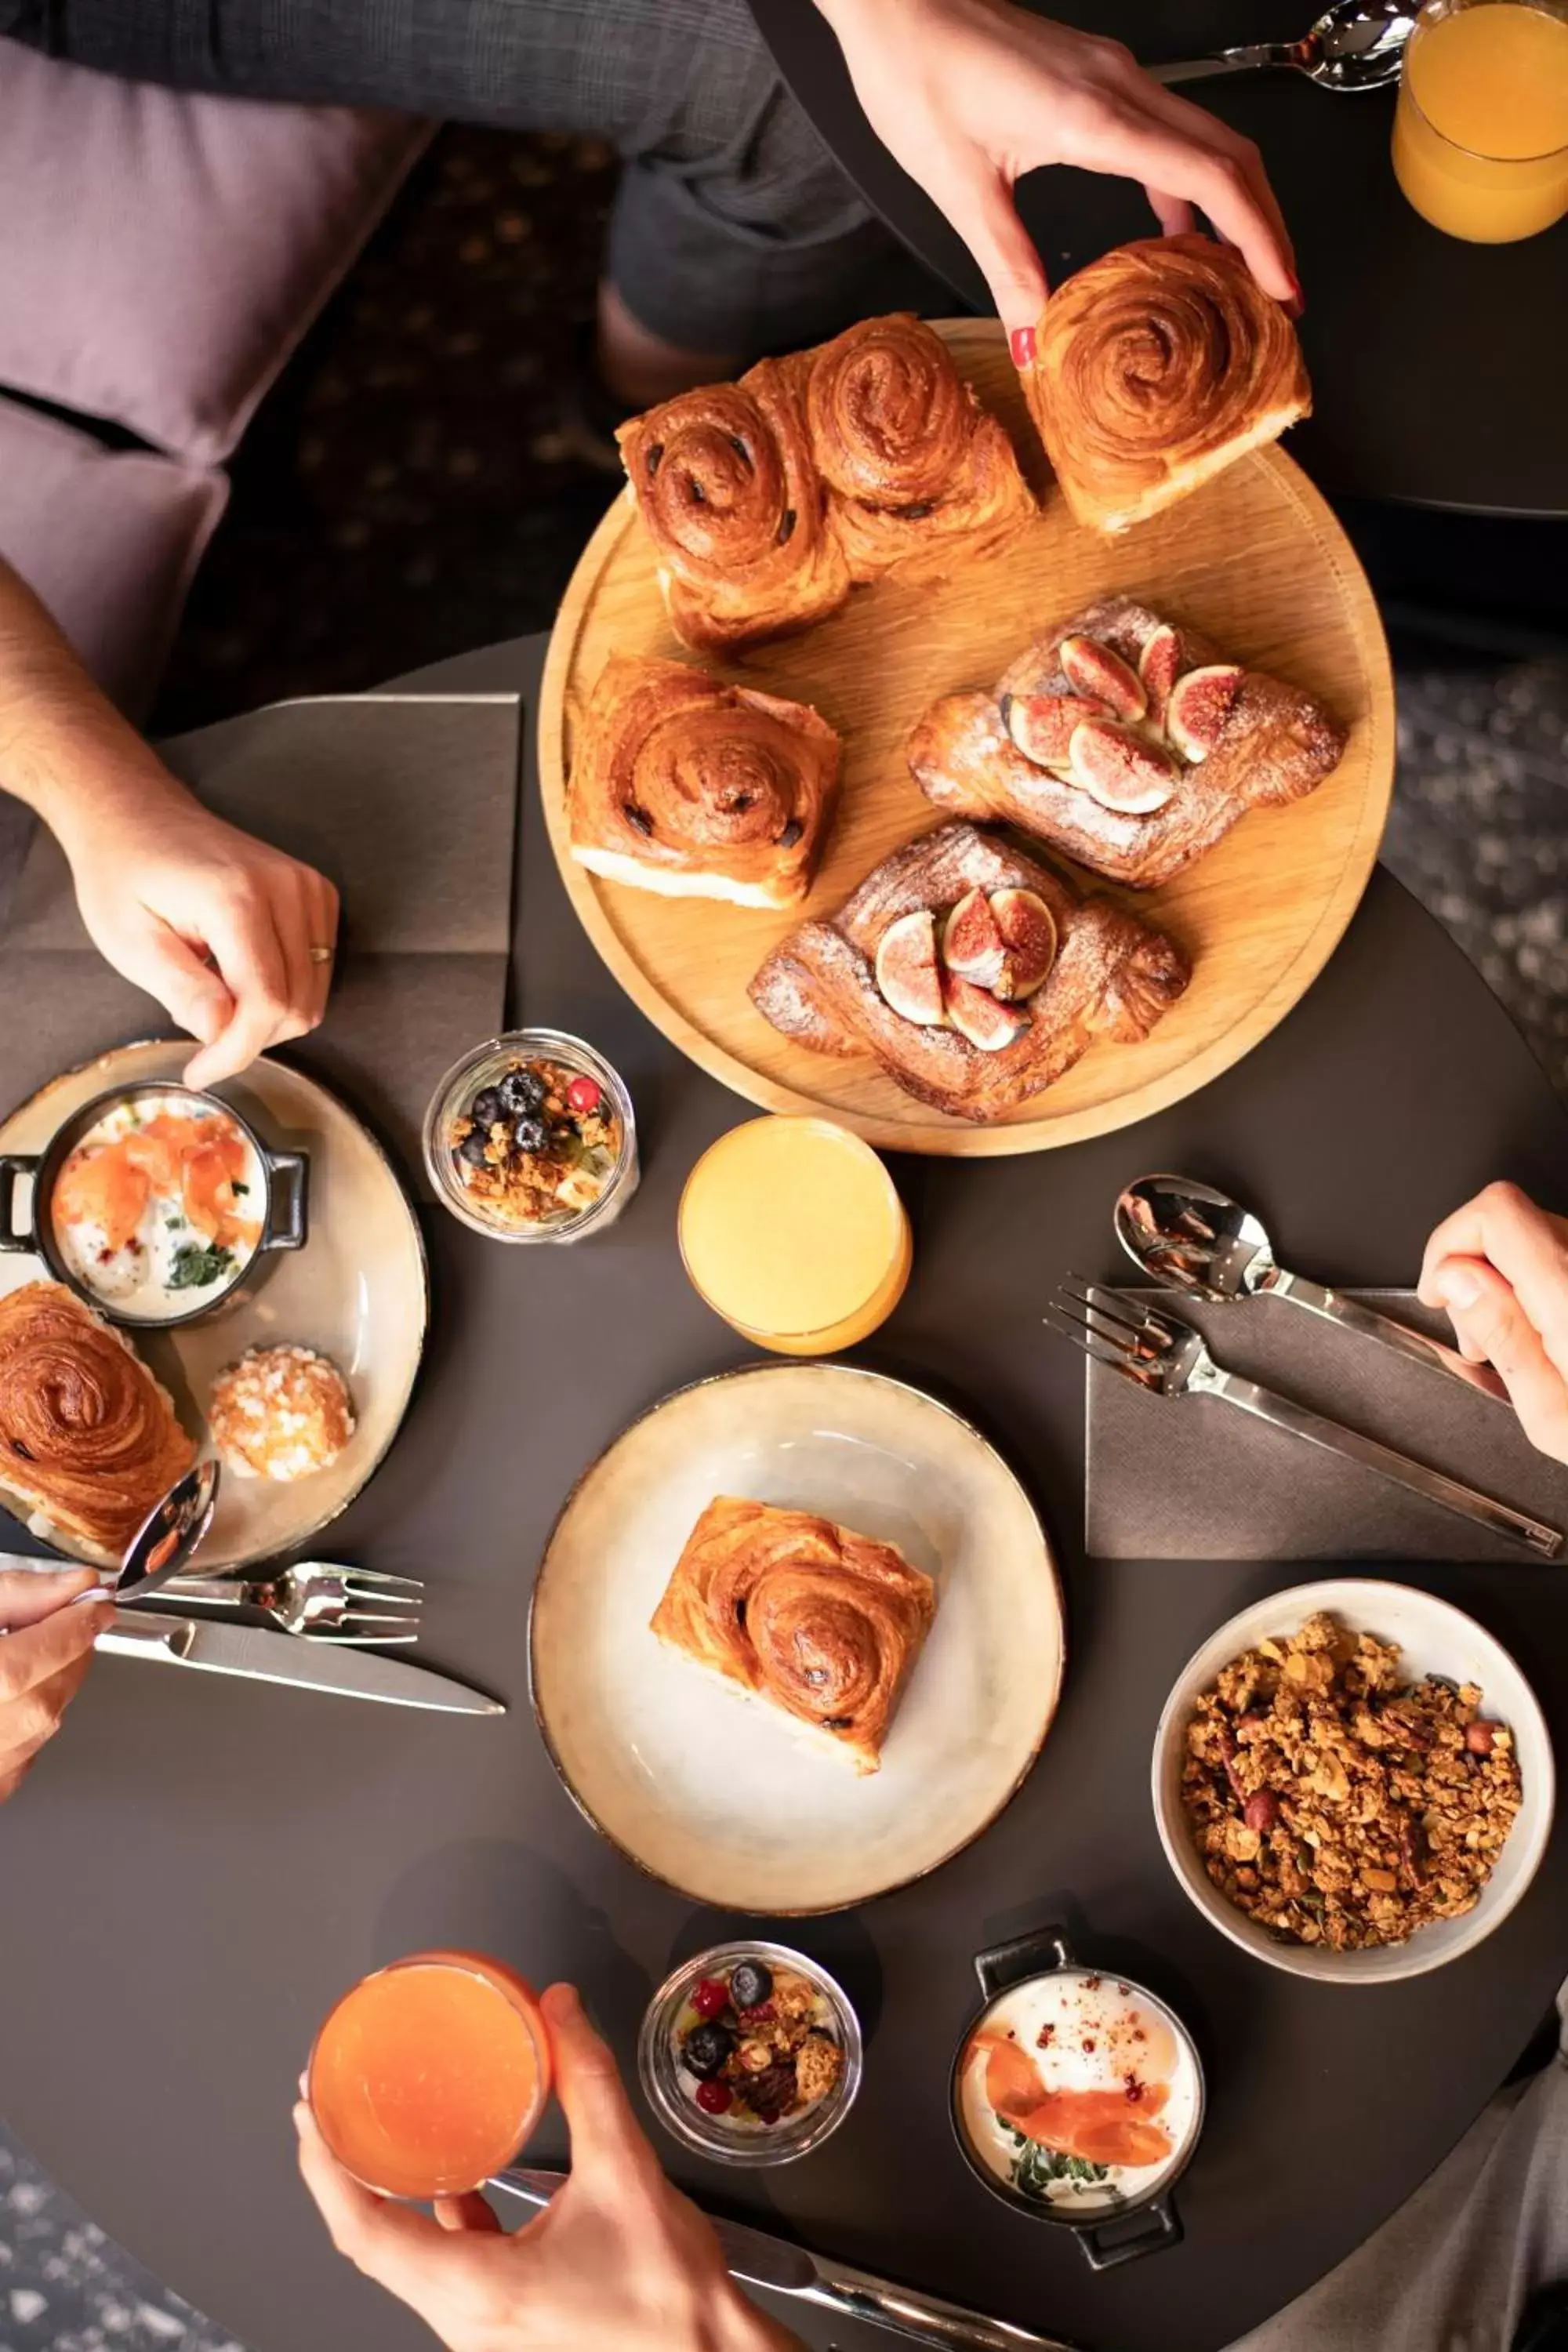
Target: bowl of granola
1353, 1781
532, 1138
750, 2053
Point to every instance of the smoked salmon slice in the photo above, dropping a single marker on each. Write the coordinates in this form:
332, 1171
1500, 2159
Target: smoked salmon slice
1101, 2127
208, 1173
102, 1189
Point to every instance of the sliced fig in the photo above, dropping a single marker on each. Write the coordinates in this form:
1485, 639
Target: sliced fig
978, 1015
907, 971
1199, 706
1124, 772
972, 946
1028, 932
1041, 725
1159, 666
1092, 668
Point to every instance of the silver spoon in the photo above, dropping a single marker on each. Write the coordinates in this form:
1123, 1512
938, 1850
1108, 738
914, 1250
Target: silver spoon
1355, 45
1188, 1236
169, 1534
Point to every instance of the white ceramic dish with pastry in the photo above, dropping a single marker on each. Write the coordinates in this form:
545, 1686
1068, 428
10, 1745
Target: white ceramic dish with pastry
1433, 1638
726, 1797
356, 1293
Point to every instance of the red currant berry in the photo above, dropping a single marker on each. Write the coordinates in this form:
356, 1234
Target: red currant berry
585, 1095
711, 1997
714, 2098
767, 2114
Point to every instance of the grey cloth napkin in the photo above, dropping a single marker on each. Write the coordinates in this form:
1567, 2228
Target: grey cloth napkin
409, 802
1192, 1478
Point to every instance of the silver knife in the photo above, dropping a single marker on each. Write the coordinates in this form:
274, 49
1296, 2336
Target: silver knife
764, 2260
268, 1657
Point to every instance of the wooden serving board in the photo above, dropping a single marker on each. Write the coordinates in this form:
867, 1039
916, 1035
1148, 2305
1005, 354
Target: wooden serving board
1256, 560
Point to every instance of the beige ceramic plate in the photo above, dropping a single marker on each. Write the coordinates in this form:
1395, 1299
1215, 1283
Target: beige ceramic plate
357, 1291
718, 1794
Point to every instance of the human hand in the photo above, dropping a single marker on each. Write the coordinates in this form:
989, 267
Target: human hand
968, 95
618, 2262
1500, 1265
43, 1661
217, 926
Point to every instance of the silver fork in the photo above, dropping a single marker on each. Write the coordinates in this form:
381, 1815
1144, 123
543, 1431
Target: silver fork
1168, 1358
317, 1599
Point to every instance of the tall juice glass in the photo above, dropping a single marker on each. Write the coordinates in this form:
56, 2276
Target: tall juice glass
793, 1231
1480, 132
430, 2075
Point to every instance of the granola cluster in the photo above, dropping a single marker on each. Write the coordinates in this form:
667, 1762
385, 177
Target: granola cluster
1337, 1805
758, 2043
538, 1146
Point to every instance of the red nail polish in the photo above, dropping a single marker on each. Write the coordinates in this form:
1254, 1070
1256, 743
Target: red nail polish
1023, 347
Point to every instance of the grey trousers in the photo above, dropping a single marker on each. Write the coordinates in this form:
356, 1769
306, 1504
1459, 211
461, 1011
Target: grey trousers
735, 231
1454, 2268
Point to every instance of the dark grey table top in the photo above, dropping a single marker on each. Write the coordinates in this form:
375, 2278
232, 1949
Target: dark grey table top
198, 1867
1437, 365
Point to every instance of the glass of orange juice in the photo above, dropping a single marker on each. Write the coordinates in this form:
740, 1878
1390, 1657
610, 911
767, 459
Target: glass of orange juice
1480, 132
794, 1232
429, 2076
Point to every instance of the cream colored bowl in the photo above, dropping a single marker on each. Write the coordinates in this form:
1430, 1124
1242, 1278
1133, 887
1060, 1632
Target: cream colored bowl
1435, 1639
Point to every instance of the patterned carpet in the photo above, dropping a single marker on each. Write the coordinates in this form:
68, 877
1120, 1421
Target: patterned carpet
409, 492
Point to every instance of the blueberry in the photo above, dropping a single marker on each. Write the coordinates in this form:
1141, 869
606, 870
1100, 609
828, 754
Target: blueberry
486, 1106
750, 1984
522, 1090
472, 1148
530, 1135
706, 2048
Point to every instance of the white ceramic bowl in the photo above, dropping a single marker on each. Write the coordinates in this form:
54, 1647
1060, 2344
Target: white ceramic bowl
1434, 1638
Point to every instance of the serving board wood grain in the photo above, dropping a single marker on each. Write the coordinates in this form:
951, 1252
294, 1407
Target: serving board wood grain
1256, 560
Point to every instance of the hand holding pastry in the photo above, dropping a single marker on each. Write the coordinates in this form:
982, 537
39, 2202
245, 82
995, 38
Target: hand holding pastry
43, 1660
618, 2262
1500, 1267
968, 95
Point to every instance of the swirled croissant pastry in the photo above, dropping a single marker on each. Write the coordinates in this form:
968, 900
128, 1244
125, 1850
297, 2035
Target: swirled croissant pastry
723, 478
1155, 367
917, 472
685, 786
824, 1623
1127, 740
974, 974
89, 1440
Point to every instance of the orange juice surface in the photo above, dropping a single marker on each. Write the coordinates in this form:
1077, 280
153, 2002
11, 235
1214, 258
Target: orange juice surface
791, 1229
1481, 139
428, 2076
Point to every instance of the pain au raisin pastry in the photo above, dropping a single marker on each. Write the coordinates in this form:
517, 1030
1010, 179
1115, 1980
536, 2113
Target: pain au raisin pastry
685, 786
88, 1439
724, 480
1126, 741
973, 973
917, 472
821, 1622
1155, 367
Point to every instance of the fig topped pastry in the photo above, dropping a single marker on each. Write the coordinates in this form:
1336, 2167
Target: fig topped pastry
1125, 740
975, 974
